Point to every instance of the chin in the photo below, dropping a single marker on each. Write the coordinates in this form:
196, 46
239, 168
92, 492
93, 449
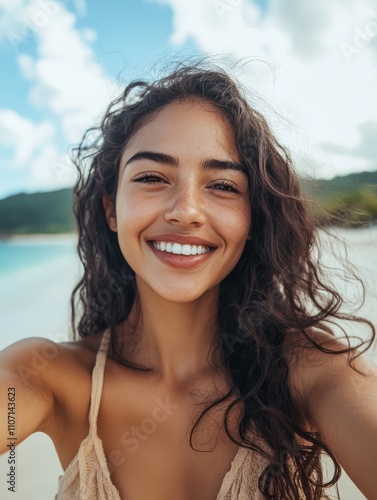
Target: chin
180, 294
183, 297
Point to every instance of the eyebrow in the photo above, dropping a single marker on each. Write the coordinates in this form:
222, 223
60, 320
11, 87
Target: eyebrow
165, 159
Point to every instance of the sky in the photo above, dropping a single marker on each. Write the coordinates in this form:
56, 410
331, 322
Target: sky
309, 66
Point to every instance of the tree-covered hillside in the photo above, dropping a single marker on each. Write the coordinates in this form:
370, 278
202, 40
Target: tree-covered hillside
341, 184
349, 200
48, 212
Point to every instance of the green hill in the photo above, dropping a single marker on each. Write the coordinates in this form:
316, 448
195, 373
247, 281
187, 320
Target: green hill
49, 212
349, 200
321, 188
345, 200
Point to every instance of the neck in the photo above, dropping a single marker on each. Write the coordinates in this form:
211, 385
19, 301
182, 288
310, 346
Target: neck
175, 339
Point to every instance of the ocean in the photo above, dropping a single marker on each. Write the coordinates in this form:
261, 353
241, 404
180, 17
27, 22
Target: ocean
37, 275
19, 254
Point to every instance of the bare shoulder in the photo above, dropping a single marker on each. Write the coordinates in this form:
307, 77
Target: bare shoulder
51, 377
318, 363
46, 384
71, 370
39, 356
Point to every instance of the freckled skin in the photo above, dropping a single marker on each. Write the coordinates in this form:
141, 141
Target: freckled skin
184, 202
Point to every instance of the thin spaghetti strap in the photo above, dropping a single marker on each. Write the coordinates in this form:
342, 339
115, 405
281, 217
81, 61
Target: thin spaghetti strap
97, 381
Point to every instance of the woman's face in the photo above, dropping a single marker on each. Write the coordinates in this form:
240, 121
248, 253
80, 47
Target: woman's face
183, 199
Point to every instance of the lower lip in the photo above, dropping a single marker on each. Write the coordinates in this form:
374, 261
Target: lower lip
181, 261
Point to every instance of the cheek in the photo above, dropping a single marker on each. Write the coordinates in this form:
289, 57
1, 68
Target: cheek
130, 223
134, 213
235, 223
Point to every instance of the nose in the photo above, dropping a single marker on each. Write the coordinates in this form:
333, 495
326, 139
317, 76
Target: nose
186, 206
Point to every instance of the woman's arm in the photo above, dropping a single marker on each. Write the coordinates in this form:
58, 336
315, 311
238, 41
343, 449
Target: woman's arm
26, 395
341, 405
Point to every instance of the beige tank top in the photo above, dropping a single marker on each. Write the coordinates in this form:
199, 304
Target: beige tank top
88, 478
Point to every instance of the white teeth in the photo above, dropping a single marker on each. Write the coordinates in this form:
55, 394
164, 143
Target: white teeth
179, 249
186, 250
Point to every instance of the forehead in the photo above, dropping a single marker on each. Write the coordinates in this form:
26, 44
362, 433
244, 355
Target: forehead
186, 127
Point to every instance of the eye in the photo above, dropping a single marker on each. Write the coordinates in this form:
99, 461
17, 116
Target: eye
149, 176
228, 185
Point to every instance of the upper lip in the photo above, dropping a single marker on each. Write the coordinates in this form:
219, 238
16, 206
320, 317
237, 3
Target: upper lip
183, 239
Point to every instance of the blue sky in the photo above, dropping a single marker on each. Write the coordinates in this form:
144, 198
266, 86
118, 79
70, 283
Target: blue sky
118, 42
313, 63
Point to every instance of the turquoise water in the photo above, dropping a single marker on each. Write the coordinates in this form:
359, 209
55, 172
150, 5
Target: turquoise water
15, 256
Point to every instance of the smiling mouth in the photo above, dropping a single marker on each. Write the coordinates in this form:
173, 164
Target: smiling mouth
188, 251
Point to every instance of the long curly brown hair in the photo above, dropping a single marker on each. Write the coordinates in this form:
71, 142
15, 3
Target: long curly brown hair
278, 285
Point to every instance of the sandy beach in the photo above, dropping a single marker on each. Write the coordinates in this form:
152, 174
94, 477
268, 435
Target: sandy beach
40, 238
35, 302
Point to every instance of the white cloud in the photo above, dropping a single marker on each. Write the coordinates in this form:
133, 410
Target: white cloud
324, 94
35, 155
27, 67
23, 135
66, 78
305, 22
80, 6
66, 82
366, 148
50, 170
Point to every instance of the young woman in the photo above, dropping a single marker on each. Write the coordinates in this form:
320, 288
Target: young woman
206, 367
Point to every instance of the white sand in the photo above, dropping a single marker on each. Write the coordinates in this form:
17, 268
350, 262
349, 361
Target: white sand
41, 238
